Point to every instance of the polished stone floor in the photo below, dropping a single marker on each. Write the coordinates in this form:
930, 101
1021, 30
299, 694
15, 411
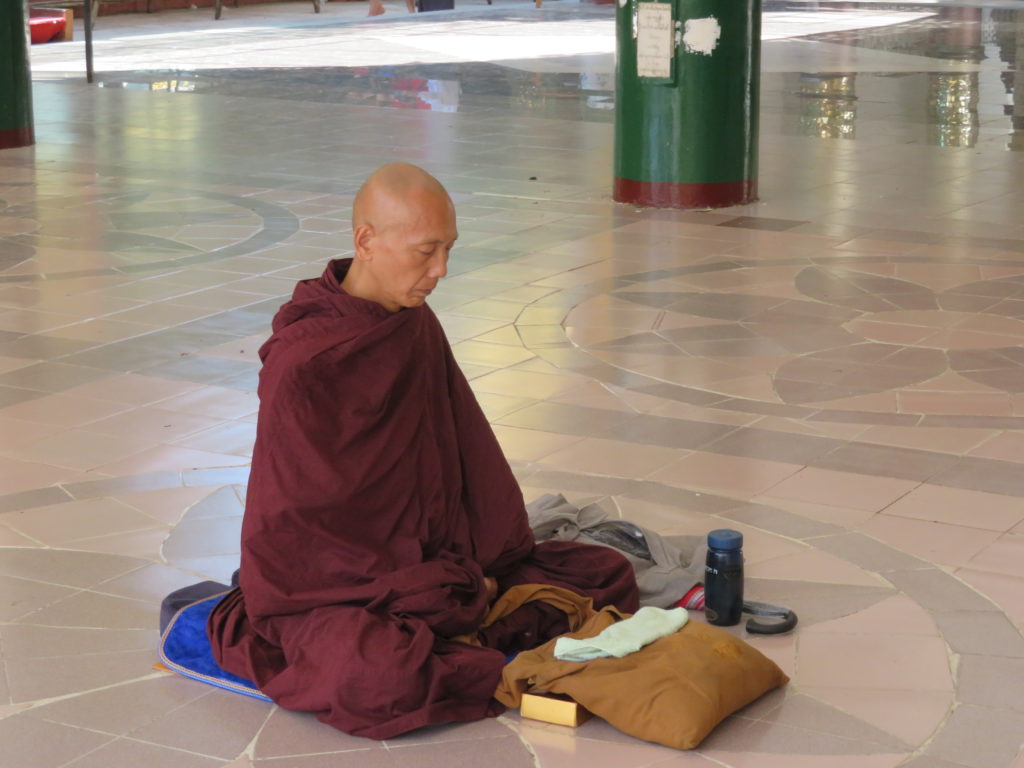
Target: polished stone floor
836, 370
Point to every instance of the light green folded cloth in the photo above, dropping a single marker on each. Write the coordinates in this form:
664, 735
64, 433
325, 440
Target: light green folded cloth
626, 637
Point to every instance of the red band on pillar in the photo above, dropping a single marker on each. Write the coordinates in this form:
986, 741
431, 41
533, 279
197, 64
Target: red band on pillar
668, 194
16, 137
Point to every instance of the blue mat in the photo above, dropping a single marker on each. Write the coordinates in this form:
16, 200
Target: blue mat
185, 649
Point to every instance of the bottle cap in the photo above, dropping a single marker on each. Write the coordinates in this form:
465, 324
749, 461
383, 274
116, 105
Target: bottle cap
725, 538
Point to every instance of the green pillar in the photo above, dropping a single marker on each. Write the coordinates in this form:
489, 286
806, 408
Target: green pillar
15, 76
686, 104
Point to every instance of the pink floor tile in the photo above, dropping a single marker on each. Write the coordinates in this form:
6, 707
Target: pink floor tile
764, 760
666, 519
11, 538
591, 395
1008, 446
935, 542
43, 678
675, 410
63, 523
939, 277
529, 444
6, 710
879, 402
15, 432
234, 437
819, 428
40, 743
143, 544
782, 649
524, 384
611, 457
246, 349
967, 403
957, 339
1003, 326
167, 506
897, 615
134, 389
157, 424
101, 330
1006, 591
812, 565
759, 545
637, 319
824, 486
564, 749
733, 476
66, 410
1005, 556
90, 609
585, 335
890, 333
165, 457
298, 733
14, 363
911, 715
874, 245
898, 662
23, 476
920, 318
684, 760
761, 387
151, 582
702, 372
951, 382
213, 567
957, 506
79, 449
213, 402
958, 441
204, 536
843, 516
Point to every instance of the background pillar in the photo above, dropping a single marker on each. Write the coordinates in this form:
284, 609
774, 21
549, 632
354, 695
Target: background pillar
15, 77
686, 133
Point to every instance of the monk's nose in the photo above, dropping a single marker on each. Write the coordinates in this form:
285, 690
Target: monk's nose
440, 267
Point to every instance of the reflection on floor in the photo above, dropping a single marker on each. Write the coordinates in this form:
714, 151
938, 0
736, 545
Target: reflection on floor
837, 370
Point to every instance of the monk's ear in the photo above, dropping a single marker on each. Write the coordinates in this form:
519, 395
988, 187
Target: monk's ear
362, 238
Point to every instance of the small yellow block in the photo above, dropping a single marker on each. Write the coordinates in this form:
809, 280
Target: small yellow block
553, 708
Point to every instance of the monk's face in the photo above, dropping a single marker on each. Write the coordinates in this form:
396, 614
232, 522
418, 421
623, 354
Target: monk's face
410, 253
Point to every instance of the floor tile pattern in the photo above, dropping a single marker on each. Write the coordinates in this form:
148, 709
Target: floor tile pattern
836, 370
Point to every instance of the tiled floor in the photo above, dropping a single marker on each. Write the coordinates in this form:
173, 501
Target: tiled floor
837, 370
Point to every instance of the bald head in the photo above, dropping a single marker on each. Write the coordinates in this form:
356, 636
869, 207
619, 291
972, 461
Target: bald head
403, 226
393, 193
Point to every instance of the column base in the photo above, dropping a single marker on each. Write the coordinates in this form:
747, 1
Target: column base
668, 194
16, 137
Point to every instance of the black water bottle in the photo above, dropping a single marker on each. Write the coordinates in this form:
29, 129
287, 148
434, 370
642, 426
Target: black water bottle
723, 578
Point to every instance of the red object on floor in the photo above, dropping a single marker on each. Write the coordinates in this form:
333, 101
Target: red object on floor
44, 28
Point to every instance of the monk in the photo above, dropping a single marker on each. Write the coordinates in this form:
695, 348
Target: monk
382, 518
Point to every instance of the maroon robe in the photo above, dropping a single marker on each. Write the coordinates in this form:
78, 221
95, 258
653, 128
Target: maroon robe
378, 501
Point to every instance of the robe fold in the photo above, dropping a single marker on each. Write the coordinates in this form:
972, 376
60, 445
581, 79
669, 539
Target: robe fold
378, 501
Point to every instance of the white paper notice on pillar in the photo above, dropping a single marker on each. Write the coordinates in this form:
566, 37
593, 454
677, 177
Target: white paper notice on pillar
654, 40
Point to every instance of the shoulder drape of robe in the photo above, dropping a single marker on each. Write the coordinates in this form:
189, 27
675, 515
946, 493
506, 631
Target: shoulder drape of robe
378, 500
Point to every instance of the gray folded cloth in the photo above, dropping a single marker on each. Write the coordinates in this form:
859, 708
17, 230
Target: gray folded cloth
665, 570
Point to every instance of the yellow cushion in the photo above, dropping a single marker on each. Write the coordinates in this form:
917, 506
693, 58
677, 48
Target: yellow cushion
673, 691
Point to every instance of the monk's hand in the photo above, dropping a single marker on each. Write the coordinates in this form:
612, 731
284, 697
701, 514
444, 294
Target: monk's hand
491, 585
